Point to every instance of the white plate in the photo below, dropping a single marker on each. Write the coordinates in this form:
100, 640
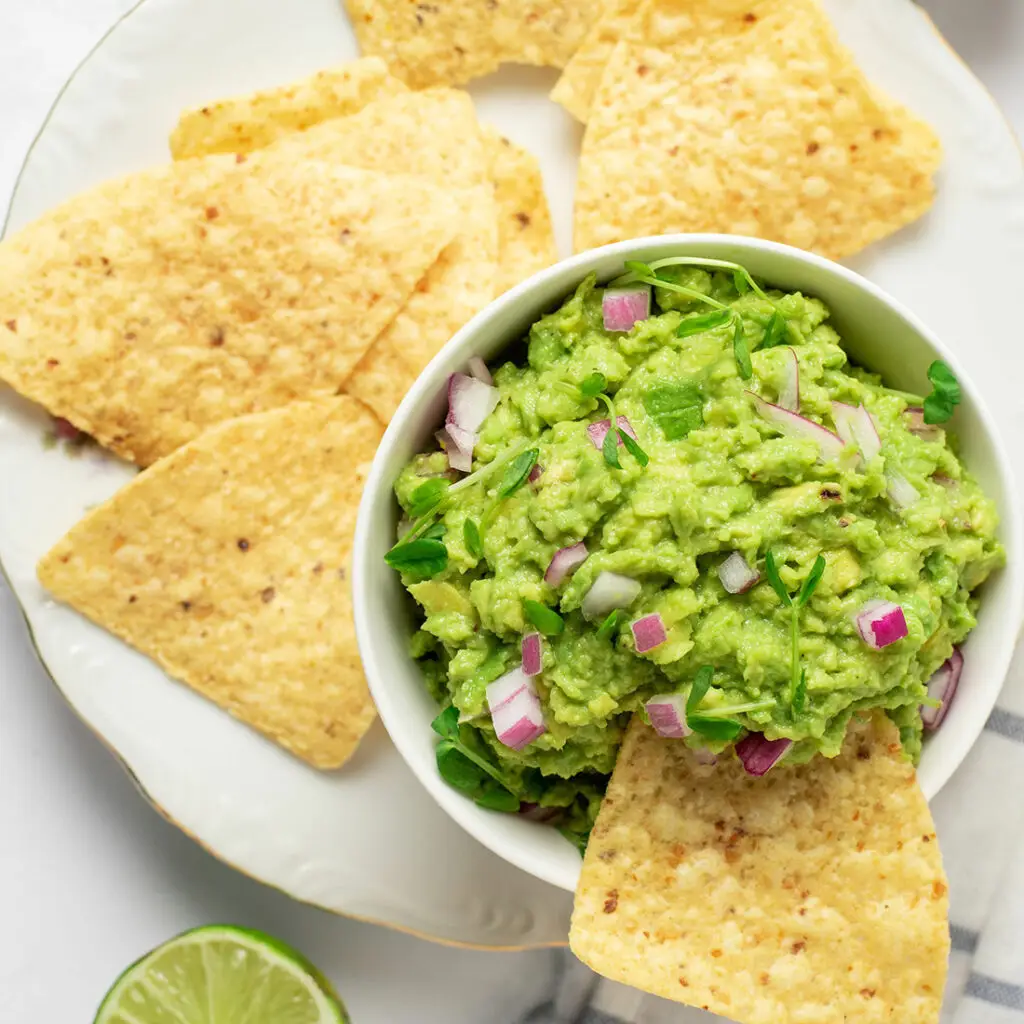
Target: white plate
367, 841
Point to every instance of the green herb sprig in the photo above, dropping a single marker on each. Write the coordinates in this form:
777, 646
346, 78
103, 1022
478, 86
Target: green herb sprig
712, 722
595, 386
945, 395
798, 676
466, 770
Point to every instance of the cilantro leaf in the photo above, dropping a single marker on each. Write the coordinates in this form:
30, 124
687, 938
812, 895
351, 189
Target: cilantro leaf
945, 396
422, 558
775, 331
699, 688
812, 581
633, 448
427, 496
517, 472
471, 535
676, 408
610, 449
772, 572
607, 628
741, 351
593, 385
547, 621
703, 322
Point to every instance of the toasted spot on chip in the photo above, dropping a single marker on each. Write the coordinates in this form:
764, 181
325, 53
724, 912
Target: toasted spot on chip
244, 123
205, 320
448, 42
162, 554
526, 240
787, 906
742, 100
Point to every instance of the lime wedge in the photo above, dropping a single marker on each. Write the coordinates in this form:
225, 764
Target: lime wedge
222, 975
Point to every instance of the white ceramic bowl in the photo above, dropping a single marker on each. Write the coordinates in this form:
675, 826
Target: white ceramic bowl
878, 333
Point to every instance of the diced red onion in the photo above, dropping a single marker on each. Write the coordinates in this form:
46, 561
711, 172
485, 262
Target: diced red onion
704, 756
667, 712
458, 446
648, 633
535, 473
913, 416
598, 430
520, 720
855, 425
478, 369
609, 591
507, 687
830, 446
902, 493
543, 815
563, 563
760, 755
532, 660
881, 623
623, 307
789, 393
942, 687
65, 429
736, 575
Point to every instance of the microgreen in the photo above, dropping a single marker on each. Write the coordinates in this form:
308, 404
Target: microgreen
547, 621
607, 628
471, 536
517, 472
741, 351
593, 385
703, 322
578, 839
610, 444
466, 770
945, 396
712, 722
676, 408
774, 331
798, 677
427, 496
421, 558
632, 447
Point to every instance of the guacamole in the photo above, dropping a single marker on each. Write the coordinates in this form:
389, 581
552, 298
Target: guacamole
718, 458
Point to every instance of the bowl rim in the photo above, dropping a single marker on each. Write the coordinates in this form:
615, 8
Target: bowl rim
474, 334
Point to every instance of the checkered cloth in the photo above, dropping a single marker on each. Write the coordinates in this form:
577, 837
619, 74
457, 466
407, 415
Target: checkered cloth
980, 821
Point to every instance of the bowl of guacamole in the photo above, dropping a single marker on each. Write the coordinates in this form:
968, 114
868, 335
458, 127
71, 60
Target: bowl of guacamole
719, 483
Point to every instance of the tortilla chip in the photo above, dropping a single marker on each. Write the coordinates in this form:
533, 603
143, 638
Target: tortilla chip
526, 240
814, 894
578, 84
448, 42
152, 307
749, 117
244, 123
227, 564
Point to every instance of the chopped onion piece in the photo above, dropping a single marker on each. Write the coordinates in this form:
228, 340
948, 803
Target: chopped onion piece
506, 687
902, 493
942, 687
855, 425
478, 369
563, 563
648, 633
789, 393
543, 815
794, 425
65, 429
458, 446
520, 720
759, 755
532, 660
736, 575
913, 417
881, 623
470, 402
535, 473
598, 430
608, 592
623, 307
667, 712
704, 756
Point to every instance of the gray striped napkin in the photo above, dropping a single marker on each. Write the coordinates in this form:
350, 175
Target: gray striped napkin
980, 821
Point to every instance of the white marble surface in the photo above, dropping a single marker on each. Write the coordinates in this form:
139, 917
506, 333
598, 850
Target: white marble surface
90, 876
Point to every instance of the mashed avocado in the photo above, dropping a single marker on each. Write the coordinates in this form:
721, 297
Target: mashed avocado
719, 478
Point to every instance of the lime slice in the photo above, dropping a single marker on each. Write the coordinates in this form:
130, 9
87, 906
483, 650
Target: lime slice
222, 975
